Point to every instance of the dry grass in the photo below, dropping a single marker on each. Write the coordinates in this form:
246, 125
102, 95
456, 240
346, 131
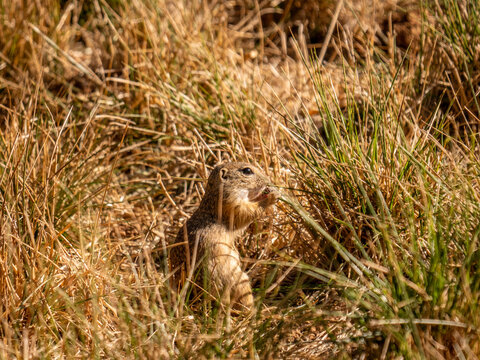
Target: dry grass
113, 112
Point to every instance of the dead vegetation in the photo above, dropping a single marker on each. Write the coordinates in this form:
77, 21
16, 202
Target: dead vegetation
364, 112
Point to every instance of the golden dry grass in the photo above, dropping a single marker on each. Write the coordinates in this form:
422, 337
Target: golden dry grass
365, 115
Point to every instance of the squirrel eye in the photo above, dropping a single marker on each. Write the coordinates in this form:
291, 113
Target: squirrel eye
247, 171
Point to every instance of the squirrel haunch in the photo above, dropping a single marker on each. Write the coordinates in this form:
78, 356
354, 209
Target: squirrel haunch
236, 194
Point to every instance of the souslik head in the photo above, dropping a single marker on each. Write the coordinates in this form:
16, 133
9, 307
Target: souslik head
240, 192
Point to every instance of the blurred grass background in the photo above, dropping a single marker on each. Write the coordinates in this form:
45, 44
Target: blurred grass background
364, 113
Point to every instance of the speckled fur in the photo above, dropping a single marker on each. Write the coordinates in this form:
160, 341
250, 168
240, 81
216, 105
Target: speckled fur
214, 227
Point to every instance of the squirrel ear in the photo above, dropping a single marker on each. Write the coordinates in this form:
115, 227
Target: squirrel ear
223, 173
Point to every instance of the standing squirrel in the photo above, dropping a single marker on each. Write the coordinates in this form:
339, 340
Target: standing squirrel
236, 194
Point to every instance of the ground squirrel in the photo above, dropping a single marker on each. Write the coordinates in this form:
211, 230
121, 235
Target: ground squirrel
236, 194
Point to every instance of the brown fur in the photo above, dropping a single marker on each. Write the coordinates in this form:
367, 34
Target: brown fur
233, 199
